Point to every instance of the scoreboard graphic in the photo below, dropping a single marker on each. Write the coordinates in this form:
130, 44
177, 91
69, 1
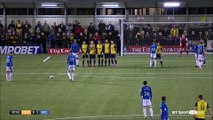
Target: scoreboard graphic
28, 112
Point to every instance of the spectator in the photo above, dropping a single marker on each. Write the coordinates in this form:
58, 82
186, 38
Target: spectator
19, 26
2, 39
69, 29
148, 38
91, 29
62, 27
110, 36
74, 25
38, 26
86, 39
43, 42
71, 38
2, 34
206, 36
1, 27
58, 38
154, 37
96, 38
32, 39
80, 38
64, 39
104, 36
200, 34
11, 37
117, 41
54, 27
25, 39
90, 38
38, 36
102, 27
185, 31
86, 33
46, 29
26, 28
78, 29
160, 38
19, 38
193, 35
110, 27
52, 39
11, 26
165, 31
59, 34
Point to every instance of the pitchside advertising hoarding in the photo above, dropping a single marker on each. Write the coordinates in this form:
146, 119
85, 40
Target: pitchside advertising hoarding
135, 49
58, 51
21, 49
209, 45
168, 48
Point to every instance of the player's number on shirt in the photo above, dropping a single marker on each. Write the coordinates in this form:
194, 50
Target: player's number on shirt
146, 93
153, 49
201, 107
8, 61
71, 59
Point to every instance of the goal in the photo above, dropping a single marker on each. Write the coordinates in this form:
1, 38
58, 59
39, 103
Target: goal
136, 37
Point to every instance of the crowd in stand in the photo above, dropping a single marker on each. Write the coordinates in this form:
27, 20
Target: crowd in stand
168, 34
61, 35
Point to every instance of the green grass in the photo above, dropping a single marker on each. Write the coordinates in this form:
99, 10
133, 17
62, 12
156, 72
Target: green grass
103, 93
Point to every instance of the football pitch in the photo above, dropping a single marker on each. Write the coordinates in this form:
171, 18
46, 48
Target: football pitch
103, 93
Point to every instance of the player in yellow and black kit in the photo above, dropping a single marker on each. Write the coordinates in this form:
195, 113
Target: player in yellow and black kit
113, 50
99, 48
92, 53
159, 51
201, 106
84, 49
107, 52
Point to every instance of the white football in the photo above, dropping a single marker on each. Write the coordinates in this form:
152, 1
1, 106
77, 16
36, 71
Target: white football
51, 77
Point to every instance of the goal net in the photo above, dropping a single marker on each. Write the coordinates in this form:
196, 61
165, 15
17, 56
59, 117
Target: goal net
136, 37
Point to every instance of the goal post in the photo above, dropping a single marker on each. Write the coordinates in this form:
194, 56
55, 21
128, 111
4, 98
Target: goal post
136, 37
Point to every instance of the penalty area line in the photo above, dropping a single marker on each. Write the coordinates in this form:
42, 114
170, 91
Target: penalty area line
46, 58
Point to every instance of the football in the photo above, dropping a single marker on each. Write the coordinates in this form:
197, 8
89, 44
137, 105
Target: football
51, 77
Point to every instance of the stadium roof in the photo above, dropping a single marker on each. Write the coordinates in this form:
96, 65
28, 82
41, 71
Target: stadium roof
129, 3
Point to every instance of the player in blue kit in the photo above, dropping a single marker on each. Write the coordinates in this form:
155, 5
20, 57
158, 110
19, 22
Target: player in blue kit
75, 50
146, 94
200, 54
71, 62
9, 66
164, 112
195, 52
153, 49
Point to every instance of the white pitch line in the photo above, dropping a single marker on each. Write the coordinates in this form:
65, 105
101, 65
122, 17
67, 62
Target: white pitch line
138, 73
113, 116
46, 59
114, 73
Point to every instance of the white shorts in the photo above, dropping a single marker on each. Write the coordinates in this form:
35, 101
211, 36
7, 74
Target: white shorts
76, 55
195, 56
8, 69
153, 55
146, 103
71, 68
200, 58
